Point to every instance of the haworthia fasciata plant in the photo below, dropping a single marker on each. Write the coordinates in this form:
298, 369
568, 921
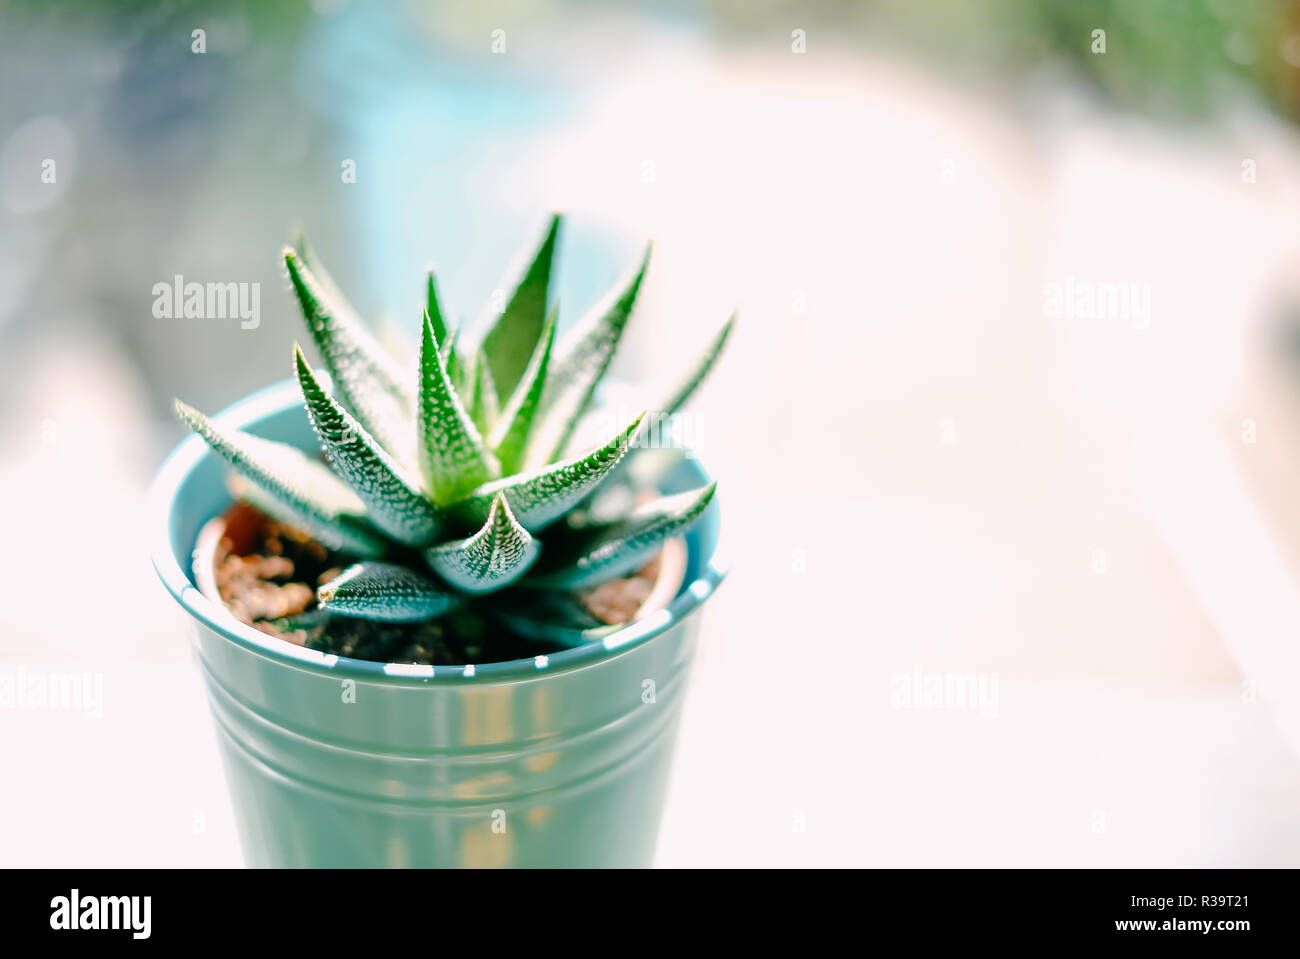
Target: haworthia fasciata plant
446, 488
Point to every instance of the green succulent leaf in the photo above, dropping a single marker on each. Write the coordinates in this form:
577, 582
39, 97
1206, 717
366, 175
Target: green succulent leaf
365, 377
458, 370
452, 458
677, 393
510, 339
695, 374
311, 622
484, 407
433, 309
393, 500
332, 291
582, 362
298, 491
552, 617
540, 497
605, 551
510, 438
495, 556
384, 591
444, 334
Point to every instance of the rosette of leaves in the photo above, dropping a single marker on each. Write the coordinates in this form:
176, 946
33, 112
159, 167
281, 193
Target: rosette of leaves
453, 485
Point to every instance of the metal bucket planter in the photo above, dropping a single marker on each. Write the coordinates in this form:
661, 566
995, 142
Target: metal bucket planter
554, 761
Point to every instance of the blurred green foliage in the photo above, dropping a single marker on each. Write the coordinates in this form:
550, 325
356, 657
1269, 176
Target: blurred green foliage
1165, 56
1177, 54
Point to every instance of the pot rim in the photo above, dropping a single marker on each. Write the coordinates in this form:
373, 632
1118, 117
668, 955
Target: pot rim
273, 399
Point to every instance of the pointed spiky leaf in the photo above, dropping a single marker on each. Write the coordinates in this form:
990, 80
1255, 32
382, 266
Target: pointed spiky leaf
384, 591
339, 332
510, 438
550, 616
682, 390
298, 491
328, 287
433, 309
452, 458
484, 407
582, 362
494, 557
393, 499
599, 553
365, 377
543, 496
677, 393
510, 339
457, 369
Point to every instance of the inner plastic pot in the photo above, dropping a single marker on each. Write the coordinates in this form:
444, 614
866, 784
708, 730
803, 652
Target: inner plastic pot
554, 761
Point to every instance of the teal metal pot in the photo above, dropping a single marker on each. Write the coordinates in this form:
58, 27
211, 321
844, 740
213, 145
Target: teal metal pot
554, 761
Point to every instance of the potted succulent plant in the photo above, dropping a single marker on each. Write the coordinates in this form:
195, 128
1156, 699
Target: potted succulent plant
457, 640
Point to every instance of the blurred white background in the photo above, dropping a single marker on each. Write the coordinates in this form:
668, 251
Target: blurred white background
924, 468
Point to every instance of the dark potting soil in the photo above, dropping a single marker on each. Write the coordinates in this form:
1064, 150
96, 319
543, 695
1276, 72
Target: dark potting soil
267, 573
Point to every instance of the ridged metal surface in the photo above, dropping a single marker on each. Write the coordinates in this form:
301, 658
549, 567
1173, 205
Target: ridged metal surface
334, 762
566, 769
